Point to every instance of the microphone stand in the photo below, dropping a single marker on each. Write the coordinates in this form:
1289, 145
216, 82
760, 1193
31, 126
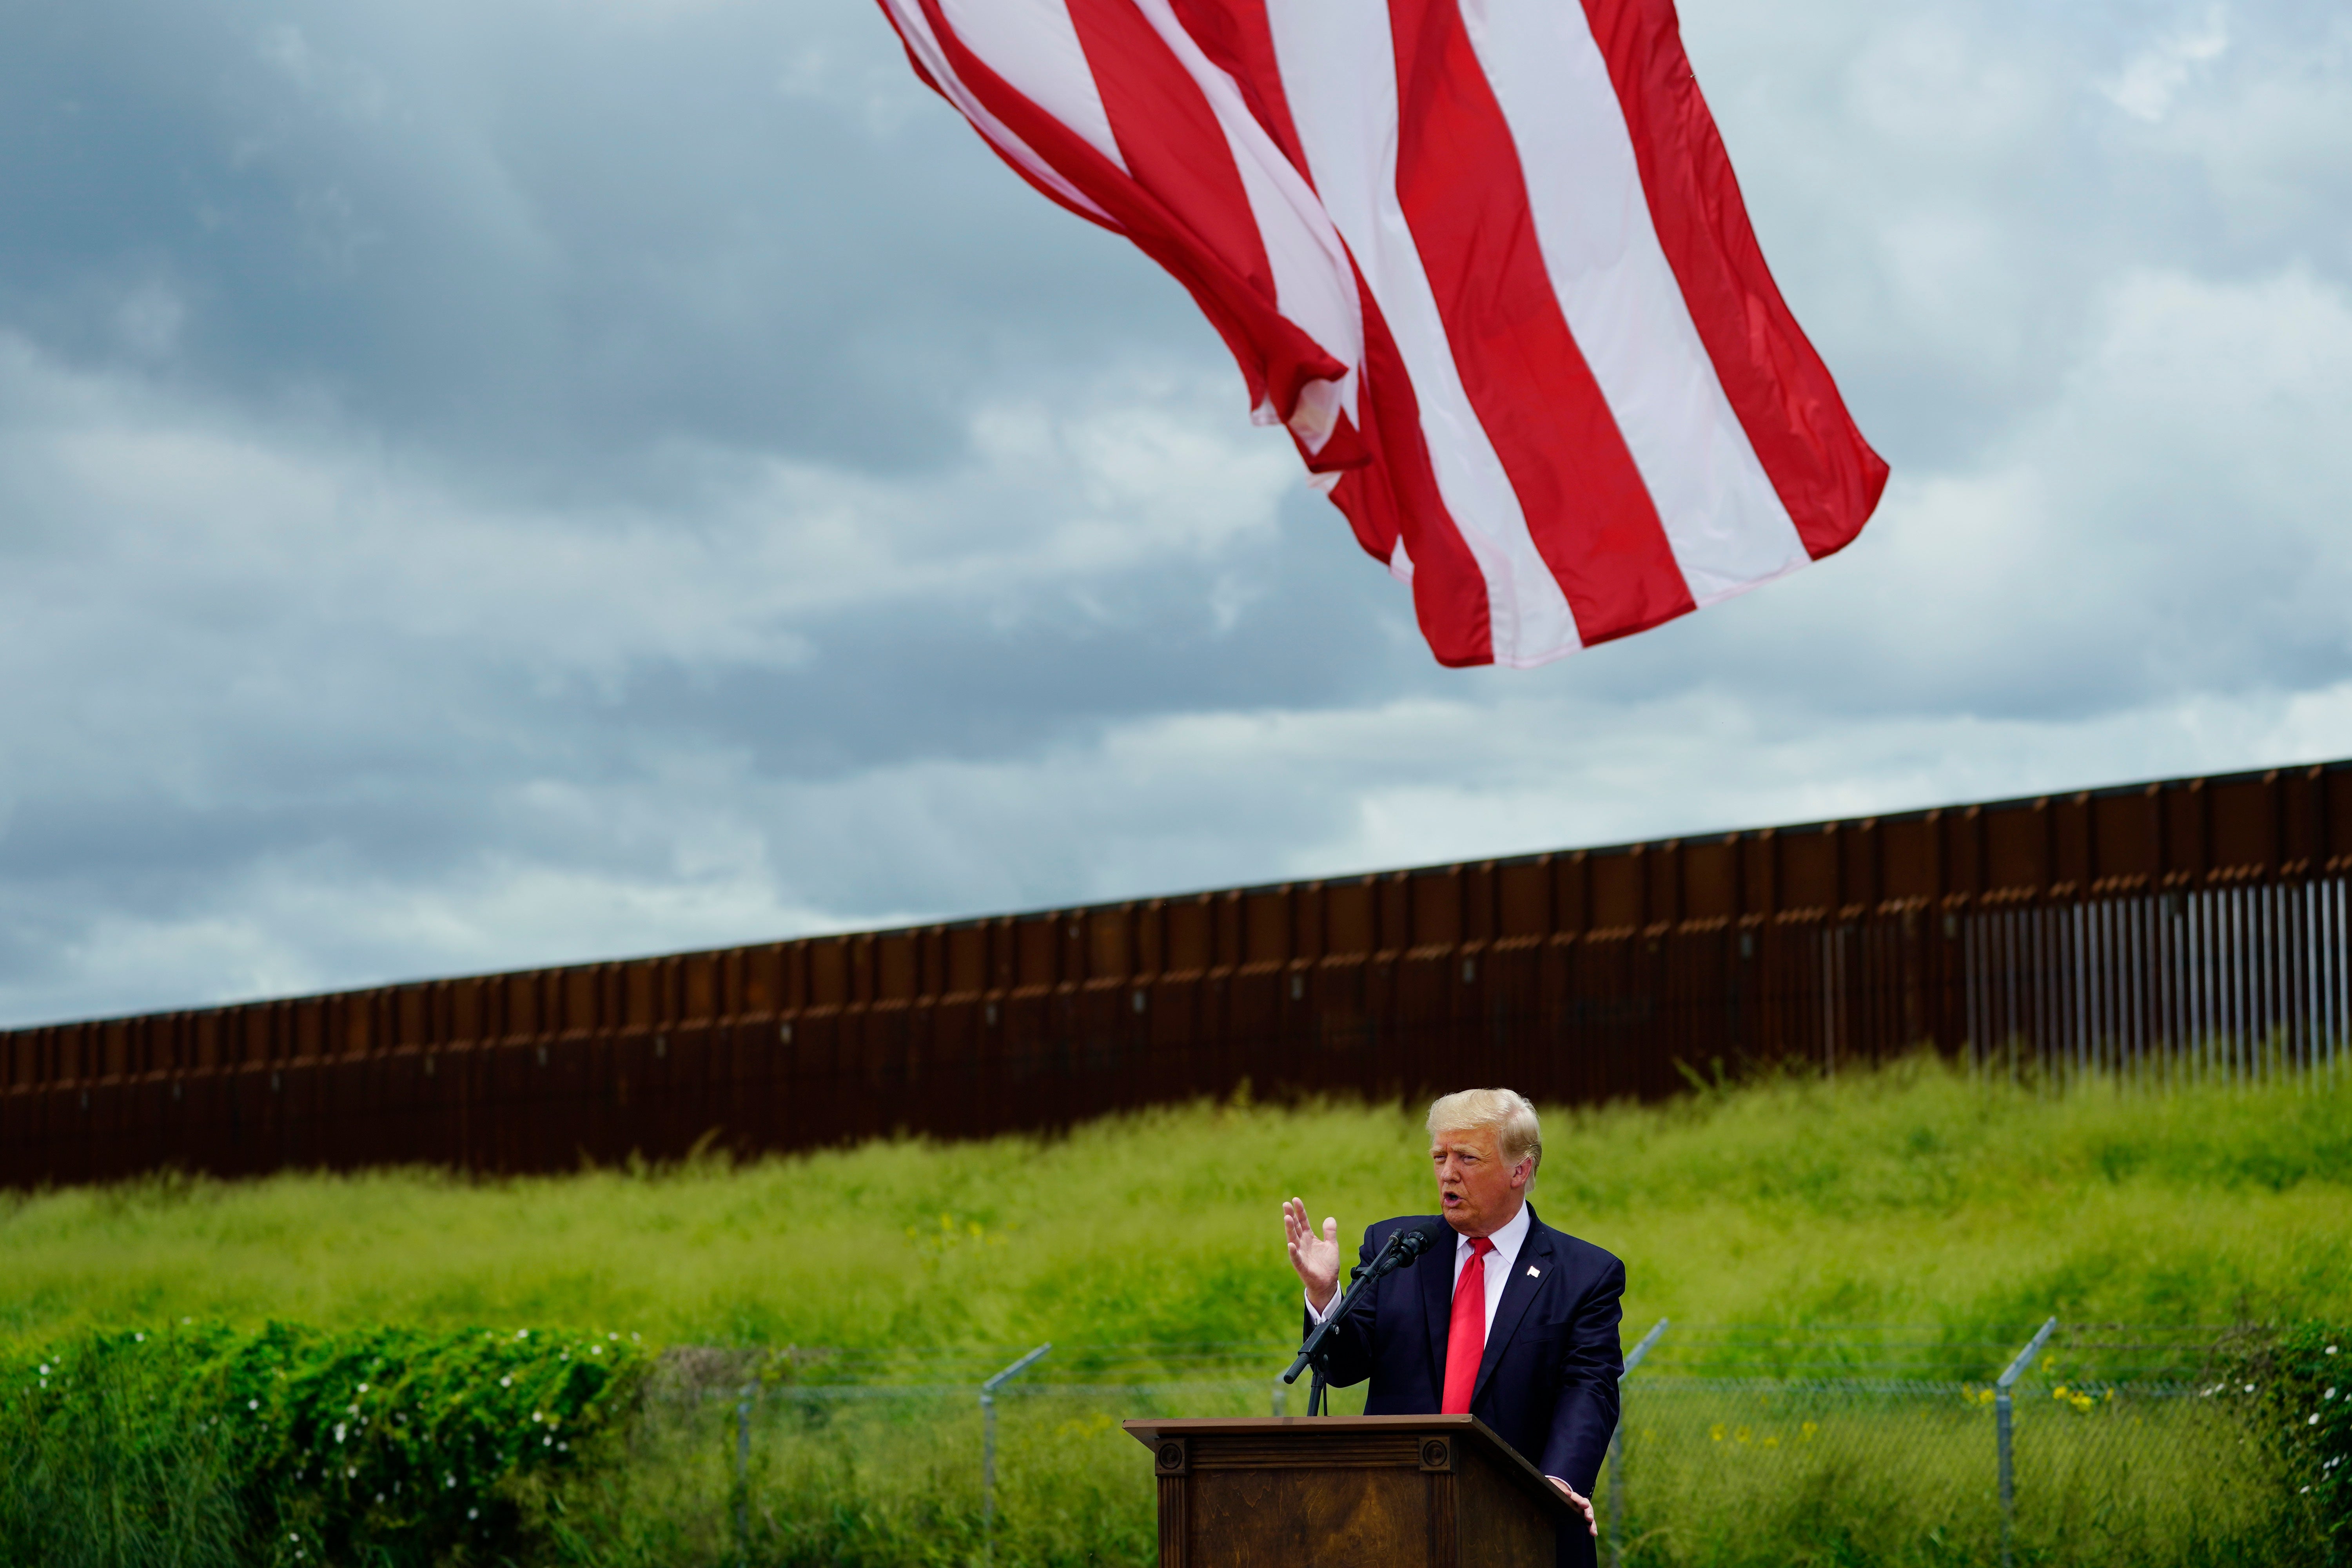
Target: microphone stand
1393, 1255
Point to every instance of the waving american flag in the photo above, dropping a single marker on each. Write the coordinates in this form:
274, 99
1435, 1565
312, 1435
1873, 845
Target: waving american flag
1486, 259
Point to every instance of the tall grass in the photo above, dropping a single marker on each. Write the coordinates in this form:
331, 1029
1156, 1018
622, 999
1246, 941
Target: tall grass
1909, 1195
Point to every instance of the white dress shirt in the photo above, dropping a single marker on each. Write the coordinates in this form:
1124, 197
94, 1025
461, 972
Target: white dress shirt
1507, 1242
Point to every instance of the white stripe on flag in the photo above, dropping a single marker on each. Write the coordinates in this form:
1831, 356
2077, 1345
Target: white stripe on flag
1034, 46
1726, 523
916, 29
1339, 70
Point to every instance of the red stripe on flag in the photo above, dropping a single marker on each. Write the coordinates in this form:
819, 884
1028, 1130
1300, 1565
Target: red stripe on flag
1822, 469
1237, 39
1169, 136
1234, 33
1276, 358
1465, 199
1449, 592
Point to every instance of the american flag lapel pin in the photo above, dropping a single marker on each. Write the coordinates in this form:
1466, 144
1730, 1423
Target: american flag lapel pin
1534, 1272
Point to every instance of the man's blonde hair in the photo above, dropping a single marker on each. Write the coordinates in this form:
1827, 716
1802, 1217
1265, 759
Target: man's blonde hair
1518, 1134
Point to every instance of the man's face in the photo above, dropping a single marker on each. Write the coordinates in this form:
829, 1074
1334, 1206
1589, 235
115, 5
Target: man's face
1476, 1191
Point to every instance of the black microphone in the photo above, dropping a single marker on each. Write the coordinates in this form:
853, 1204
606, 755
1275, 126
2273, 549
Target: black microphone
1405, 1243
1421, 1235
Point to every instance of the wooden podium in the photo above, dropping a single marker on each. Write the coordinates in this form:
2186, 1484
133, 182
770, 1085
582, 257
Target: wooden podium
1399, 1491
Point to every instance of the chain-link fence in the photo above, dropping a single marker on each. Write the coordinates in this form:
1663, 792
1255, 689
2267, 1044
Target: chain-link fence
2092, 1445
1883, 1469
795, 1457
1736, 1446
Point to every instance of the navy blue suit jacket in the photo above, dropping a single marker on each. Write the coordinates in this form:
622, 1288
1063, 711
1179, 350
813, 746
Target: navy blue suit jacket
1548, 1381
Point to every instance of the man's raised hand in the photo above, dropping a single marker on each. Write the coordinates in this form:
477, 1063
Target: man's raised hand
1316, 1258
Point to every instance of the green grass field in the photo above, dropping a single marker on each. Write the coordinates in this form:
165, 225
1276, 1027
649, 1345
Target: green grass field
1908, 1196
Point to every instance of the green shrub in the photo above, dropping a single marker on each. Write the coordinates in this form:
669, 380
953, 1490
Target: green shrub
206, 1444
2300, 1387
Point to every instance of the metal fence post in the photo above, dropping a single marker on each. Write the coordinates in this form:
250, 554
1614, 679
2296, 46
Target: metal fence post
987, 1451
1617, 1448
2001, 1405
743, 1472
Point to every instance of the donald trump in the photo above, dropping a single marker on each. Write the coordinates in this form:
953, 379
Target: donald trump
1516, 1323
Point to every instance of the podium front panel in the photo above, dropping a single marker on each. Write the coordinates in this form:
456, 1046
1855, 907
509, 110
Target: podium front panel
1393, 1490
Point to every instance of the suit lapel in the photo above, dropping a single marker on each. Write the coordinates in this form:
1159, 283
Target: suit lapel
1435, 1270
1519, 1290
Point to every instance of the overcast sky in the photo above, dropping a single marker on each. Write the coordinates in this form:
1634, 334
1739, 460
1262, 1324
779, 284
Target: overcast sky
500, 482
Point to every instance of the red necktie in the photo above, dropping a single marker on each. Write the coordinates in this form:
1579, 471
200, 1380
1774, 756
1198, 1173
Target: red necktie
1466, 1335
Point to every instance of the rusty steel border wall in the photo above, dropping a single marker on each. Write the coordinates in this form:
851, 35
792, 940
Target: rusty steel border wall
2190, 928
